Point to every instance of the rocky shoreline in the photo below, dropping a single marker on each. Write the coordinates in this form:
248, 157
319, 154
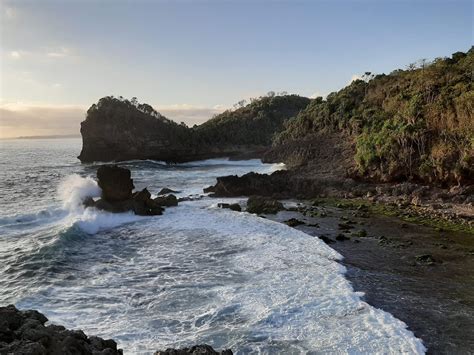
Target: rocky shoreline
451, 208
418, 273
25, 332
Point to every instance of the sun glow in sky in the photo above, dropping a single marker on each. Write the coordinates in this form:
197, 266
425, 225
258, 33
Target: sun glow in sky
192, 59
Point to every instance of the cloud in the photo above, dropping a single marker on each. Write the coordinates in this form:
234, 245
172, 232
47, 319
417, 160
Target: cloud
59, 53
10, 12
17, 54
21, 119
18, 119
189, 114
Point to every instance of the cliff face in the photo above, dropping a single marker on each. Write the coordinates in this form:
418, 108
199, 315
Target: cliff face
117, 129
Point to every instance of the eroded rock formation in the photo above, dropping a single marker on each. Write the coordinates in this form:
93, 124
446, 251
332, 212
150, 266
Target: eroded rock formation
118, 196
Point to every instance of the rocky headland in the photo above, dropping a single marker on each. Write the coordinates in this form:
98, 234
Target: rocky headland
117, 129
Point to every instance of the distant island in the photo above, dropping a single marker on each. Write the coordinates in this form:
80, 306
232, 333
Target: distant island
53, 136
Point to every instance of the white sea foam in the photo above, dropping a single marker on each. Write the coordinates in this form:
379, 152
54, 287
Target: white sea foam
200, 274
203, 274
72, 192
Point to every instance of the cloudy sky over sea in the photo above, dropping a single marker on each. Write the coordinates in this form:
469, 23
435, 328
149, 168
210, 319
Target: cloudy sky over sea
193, 59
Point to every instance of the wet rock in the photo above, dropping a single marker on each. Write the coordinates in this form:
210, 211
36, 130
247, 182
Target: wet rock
24, 332
166, 191
341, 237
293, 222
232, 206
115, 182
345, 226
117, 195
194, 350
325, 239
166, 201
425, 259
259, 204
360, 234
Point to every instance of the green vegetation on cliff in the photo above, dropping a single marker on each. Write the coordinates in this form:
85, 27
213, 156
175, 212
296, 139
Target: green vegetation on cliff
253, 124
415, 124
121, 129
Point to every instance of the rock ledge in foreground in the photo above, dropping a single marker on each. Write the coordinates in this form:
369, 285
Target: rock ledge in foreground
195, 350
24, 332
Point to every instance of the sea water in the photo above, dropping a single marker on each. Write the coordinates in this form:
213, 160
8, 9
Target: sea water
196, 274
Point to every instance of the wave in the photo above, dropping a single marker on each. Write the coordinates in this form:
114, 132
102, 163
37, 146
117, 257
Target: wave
72, 191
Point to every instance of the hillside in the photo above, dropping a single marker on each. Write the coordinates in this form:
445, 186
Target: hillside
414, 124
253, 124
120, 129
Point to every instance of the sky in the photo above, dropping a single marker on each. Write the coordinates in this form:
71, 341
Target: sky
193, 59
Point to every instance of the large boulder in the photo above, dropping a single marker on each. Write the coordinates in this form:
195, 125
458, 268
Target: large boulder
24, 332
115, 182
166, 201
265, 205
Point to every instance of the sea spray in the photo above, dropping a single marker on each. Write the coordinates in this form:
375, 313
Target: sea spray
74, 189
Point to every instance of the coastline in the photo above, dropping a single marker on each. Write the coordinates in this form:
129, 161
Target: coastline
418, 273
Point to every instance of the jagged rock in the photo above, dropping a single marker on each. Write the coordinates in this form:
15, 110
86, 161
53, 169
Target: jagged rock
248, 184
194, 350
166, 191
24, 332
232, 206
117, 195
425, 259
293, 222
326, 240
166, 201
259, 204
341, 237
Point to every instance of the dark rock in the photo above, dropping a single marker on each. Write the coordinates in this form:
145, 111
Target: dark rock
326, 239
345, 226
166, 201
88, 202
259, 204
166, 191
341, 237
194, 350
115, 183
249, 184
117, 195
232, 206
425, 259
293, 222
24, 332
360, 234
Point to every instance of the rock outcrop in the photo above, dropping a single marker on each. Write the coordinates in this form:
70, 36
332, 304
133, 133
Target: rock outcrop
116, 129
118, 196
115, 182
25, 332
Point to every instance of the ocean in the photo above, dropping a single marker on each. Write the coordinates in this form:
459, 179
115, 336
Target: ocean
197, 274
